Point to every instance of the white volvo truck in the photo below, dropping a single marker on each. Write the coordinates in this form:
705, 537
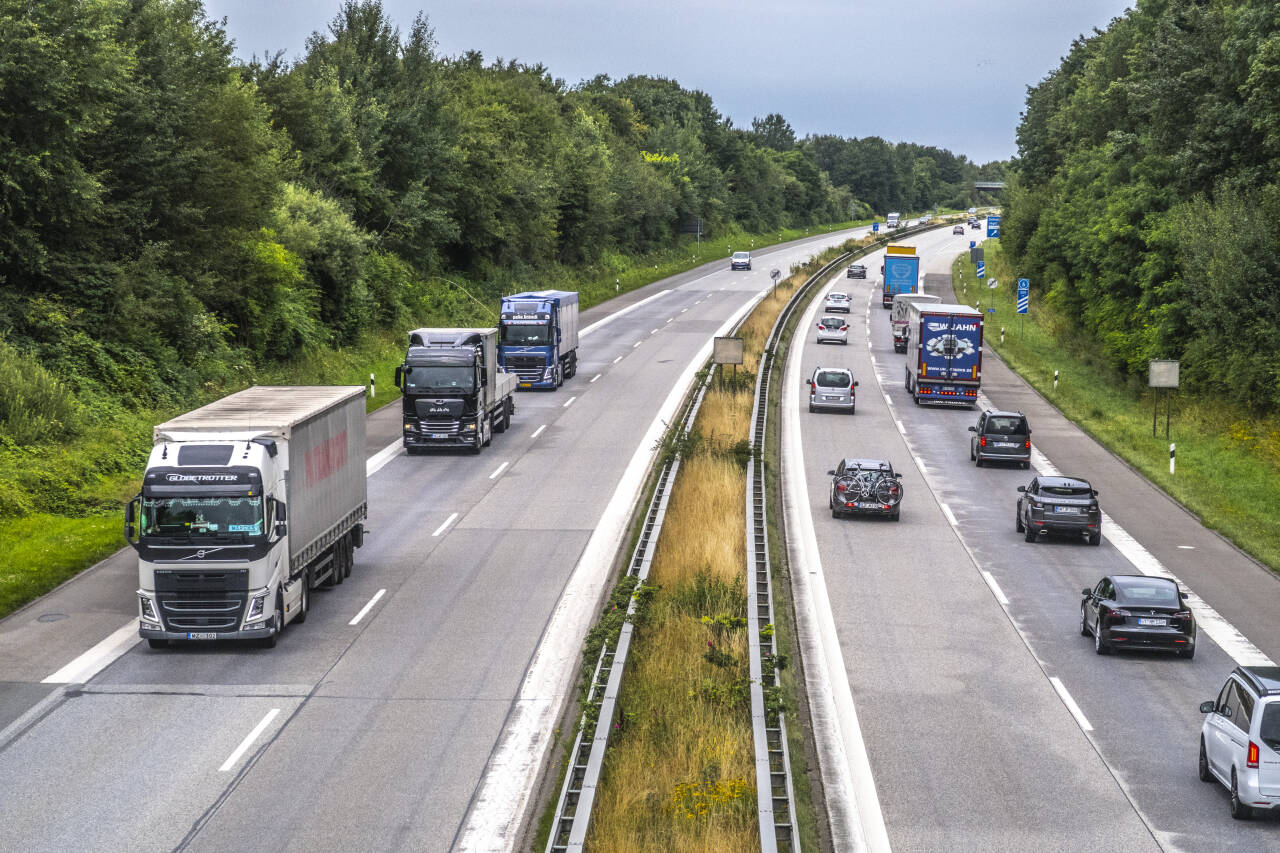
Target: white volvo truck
246, 505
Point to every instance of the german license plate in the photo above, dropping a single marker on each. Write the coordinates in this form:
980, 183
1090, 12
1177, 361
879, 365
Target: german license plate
1005, 444
438, 435
1156, 622
204, 635
1070, 510
830, 397
868, 505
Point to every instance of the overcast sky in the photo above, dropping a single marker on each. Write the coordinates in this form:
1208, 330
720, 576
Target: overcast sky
950, 73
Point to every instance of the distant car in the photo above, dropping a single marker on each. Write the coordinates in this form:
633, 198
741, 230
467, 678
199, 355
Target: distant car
972, 211
740, 261
832, 388
958, 229
1059, 505
837, 301
1240, 739
973, 223
1000, 437
833, 330
1138, 611
865, 487
857, 271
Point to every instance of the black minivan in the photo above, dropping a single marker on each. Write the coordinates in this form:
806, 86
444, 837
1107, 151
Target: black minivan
1000, 437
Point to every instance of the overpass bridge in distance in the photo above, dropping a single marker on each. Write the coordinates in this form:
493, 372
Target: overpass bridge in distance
989, 185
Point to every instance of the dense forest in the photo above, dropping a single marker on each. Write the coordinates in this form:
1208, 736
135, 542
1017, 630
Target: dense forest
1146, 204
170, 216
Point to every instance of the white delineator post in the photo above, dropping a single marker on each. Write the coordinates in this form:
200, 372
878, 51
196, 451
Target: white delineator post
1055, 380
372, 390
1171, 452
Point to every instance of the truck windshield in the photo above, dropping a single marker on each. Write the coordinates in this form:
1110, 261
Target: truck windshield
201, 516
426, 380
520, 335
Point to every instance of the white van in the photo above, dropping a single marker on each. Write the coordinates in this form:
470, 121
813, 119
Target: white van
900, 314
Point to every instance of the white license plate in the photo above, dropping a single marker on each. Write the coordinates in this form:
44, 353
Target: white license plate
1067, 509
829, 397
1005, 444
869, 505
439, 435
1157, 622
202, 636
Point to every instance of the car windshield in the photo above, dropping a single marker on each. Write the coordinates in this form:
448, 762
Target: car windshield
1006, 426
424, 380
832, 321
1269, 730
1065, 491
837, 297
194, 516
1149, 594
833, 379
740, 256
522, 335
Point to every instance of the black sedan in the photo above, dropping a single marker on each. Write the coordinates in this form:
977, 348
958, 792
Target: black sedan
1137, 611
857, 271
1059, 505
865, 487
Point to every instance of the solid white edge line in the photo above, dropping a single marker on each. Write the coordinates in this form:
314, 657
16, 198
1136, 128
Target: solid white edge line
568, 403
621, 313
1081, 719
857, 821
382, 457
98, 658
594, 378
995, 587
537, 432
503, 794
364, 611
248, 740
498, 472
447, 522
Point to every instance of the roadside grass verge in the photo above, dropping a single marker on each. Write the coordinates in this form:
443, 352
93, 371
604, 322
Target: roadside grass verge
1228, 460
73, 486
679, 773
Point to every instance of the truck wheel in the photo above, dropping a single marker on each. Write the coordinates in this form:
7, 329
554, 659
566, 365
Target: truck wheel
559, 375
349, 562
269, 642
304, 603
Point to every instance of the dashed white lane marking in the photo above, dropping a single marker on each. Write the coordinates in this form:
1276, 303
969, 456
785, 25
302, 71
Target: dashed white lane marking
669, 319
498, 473
98, 658
653, 331
568, 403
951, 519
594, 378
364, 611
1187, 547
636, 344
919, 461
537, 432
618, 359
682, 310
1081, 719
248, 741
605, 320
898, 423
447, 522
995, 588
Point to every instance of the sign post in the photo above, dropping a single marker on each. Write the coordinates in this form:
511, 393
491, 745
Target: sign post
774, 274
1024, 303
1161, 373
727, 351
993, 225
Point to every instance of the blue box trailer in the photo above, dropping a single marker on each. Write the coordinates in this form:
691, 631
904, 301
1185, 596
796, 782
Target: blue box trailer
944, 353
538, 337
901, 273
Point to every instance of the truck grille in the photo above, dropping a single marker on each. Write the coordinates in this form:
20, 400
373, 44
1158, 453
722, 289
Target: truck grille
440, 427
202, 600
528, 367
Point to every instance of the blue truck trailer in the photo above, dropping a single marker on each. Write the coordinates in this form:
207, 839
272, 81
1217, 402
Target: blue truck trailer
901, 273
944, 353
539, 337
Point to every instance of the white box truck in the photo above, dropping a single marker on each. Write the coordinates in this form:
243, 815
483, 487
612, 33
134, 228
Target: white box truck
246, 505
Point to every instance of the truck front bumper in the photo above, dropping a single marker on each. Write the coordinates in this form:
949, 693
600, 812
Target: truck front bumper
150, 633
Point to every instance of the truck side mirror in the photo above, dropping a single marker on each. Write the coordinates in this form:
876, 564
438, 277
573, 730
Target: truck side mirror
400, 376
130, 515
281, 513
281, 529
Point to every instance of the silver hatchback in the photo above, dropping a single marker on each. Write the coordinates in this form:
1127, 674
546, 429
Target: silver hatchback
833, 330
832, 388
837, 301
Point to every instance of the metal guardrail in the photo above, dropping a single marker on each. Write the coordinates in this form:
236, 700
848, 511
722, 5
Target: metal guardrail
577, 795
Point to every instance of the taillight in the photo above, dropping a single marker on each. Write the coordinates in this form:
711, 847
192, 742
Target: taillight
840, 487
1119, 614
844, 328
1028, 444
853, 385
821, 328
1252, 760
982, 441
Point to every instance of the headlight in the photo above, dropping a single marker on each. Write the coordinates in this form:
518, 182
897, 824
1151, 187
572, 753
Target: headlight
256, 605
468, 426
148, 610
409, 427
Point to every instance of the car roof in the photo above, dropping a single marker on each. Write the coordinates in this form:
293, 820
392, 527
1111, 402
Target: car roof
857, 265
830, 317
998, 413
1064, 483
1136, 580
839, 293
867, 463
742, 254
833, 369
1264, 679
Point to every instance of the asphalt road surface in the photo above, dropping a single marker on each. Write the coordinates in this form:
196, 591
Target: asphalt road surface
416, 706
987, 720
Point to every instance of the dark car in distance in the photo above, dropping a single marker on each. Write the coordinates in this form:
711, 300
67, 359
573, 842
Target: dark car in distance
865, 487
1000, 437
856, 271
1137, 611
1059, 505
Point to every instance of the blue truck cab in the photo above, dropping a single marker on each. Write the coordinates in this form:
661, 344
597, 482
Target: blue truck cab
538, 339
944, 353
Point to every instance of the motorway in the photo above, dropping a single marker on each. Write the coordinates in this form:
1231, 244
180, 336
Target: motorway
415, 708
968, 713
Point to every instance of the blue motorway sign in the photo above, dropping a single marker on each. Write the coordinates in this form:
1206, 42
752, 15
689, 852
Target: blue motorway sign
1024, 295
993, 226
875, 226
982, 269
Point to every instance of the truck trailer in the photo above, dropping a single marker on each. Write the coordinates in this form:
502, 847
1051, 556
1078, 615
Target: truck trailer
538, 339
901, 273
246, 505
455, 394
944, 353
900, 314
